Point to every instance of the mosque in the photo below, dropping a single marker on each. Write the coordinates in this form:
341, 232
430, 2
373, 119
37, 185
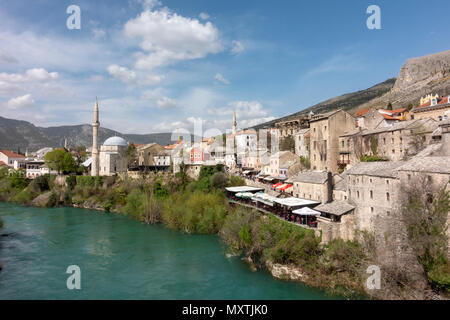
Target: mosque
111, 159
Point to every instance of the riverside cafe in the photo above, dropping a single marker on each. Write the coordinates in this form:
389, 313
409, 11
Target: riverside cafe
242, 193
297, 210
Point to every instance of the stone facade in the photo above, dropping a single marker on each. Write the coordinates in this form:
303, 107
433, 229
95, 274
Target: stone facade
302, 138
113, 160
324, 144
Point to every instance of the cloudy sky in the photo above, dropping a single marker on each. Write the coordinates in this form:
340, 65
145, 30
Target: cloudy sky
160, 65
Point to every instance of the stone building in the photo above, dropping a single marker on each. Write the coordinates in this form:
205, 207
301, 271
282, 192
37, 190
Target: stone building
313, 185
373, 188
284, 164
325, 130
113, 159
302, 138
289, 128
437, 108
397, 141
146, 155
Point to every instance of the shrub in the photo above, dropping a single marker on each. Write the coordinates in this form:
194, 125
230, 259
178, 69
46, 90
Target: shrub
42, 182
236, 181
1, 223
219, 180
196, 212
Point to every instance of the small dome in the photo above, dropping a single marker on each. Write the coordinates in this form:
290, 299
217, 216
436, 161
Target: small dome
115, 141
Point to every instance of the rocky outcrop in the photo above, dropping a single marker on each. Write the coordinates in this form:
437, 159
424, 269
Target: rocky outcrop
417, 78
44, 200
285, 272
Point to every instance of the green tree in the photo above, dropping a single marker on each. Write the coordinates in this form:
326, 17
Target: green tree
131, 154
389, 106
61, 161
287, 144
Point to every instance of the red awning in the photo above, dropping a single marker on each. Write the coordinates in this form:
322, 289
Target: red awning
286, 186
277, 185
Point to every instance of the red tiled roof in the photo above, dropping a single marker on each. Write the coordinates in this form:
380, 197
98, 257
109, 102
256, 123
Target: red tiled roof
388, 117
2, 163
362, 112
443, 100
11, 154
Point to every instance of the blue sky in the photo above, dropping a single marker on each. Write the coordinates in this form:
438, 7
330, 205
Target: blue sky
158, 66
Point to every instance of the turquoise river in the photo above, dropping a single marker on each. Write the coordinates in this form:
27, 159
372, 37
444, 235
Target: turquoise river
120, 258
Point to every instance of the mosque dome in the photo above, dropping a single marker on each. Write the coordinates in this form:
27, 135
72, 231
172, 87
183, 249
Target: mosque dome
115, 141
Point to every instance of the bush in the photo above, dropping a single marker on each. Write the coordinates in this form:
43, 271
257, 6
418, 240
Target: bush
42, 182
368, 158
196, 212
236, 181
219, 180
1, 223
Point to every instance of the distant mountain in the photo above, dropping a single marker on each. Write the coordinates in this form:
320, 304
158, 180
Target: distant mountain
18, 134
347, 101
417, 78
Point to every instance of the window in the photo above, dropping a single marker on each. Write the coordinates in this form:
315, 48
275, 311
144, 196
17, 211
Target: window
409, 177
388, 196
384, 140
357, 194
440, 118
325, 128
343, 143
392, 140
371, 209
387, 182
371, 194
370, 180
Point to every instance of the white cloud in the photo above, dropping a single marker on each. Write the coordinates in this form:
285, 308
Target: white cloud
21, 102
166, 103
132, 77
237, 48
203, 16
36, 74
98, 33
96, 78
7, 87
219, 77
150, 4
166, 37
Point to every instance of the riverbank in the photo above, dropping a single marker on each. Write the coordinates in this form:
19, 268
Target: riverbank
199, 207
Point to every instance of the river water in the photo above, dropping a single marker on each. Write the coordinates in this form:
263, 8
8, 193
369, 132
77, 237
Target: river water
120, 258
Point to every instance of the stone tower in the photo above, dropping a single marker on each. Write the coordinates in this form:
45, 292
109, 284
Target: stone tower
95, 152
234, 122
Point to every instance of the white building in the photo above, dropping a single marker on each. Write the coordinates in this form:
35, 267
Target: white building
113, 159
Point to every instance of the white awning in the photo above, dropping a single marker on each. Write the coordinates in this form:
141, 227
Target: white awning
296, 202
244, 189
306, 212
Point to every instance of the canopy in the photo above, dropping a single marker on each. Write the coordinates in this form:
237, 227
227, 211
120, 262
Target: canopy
276, 185
281, 186
246, 172
288, 189
306, 212
244, 189
245, 195
285, 187
269, 179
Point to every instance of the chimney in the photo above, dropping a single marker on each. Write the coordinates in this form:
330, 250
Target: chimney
329, 187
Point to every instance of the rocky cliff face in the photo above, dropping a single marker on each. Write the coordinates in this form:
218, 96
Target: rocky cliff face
418, 77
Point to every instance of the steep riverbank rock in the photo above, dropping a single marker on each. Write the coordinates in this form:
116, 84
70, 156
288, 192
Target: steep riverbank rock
285, 272
43, 200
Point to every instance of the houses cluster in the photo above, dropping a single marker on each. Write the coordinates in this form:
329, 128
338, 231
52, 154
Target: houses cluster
351, 170
360, 165
32, 165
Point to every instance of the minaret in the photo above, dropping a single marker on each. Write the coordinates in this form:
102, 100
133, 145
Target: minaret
95, 153
234, 122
